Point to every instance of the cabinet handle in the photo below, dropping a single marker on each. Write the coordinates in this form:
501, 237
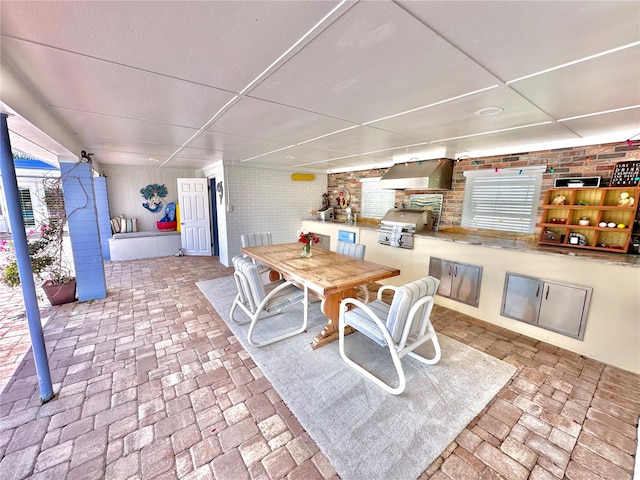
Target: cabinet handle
455, 271
538, 291
547, 295
450, 270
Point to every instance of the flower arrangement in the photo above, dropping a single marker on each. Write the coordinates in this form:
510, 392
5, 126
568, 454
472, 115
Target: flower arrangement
307, 238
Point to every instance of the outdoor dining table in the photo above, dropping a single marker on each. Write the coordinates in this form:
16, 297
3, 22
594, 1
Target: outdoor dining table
328, 275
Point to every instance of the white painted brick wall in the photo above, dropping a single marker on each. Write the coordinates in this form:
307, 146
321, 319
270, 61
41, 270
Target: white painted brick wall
268, 201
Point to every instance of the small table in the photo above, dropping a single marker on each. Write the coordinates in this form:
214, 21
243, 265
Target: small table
329, 275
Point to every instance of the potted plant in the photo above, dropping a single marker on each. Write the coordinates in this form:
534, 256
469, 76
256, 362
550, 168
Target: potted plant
46, 250
45, 246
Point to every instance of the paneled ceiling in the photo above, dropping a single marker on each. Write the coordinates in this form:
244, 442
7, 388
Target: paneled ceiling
320, 85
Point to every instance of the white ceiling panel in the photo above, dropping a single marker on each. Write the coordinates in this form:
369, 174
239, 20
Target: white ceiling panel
117, 129
207, 155
304, 155
341, 73
26, 138
236, 148
614, 122
362, 140
526, 137
459, 117
255, 82
260, 119
569, 92
517, 38
217, 43
67, 79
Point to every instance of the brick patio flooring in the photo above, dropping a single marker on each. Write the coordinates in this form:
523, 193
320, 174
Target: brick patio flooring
151, 384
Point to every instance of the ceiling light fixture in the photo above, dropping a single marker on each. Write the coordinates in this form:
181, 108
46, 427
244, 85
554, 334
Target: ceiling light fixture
486, 112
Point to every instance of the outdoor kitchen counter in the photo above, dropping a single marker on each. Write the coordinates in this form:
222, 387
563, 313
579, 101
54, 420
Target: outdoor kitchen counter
532, 247
612, 334
506, 242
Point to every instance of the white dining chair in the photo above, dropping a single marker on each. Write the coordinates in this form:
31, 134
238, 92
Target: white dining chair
402, 326
257, 240
355, 250
259, 301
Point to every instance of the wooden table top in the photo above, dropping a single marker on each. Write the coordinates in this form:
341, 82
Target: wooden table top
326, 272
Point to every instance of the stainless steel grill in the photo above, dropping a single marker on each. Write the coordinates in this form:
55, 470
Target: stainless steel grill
399, 225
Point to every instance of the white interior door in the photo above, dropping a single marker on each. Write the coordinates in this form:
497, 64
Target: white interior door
195, 230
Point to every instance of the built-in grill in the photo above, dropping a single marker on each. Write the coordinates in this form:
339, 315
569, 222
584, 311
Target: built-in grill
399, 225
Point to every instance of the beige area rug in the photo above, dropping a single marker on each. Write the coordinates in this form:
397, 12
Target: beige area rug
363, 431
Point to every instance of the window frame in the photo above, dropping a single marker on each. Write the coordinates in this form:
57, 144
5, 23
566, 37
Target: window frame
385, 197
484, 204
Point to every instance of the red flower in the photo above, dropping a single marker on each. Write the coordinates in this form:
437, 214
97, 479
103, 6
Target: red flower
307, 237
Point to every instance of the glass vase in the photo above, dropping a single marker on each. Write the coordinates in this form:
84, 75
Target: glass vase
306, 250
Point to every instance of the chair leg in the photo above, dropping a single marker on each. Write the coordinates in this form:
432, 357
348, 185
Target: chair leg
436, 356
366, 373
256, 317
237, 303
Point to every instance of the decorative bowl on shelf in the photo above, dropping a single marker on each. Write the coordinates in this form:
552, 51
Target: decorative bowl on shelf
166, 226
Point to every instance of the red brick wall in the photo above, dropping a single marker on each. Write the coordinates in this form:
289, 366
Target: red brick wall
588, 161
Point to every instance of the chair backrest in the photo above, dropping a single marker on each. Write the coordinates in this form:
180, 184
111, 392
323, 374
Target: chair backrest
256, 239
403, 300
256, 291
355, 250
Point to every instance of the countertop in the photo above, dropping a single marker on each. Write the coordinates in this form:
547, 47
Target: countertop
513, 243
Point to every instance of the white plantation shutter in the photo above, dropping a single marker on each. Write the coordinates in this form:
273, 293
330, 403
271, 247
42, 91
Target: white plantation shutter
27, 206
375, 201
504, 200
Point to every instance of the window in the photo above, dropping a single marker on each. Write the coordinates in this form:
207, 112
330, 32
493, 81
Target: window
502, 200
375, 200
26, 206
54, 200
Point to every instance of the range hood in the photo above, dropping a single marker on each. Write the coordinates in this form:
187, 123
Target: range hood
421, 175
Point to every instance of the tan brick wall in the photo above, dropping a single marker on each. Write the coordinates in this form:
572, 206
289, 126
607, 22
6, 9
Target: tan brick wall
587, 161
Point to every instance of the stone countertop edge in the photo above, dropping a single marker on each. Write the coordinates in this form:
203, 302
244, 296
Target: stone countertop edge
621, 259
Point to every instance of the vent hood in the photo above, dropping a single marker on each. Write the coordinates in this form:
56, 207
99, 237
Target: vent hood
422, 175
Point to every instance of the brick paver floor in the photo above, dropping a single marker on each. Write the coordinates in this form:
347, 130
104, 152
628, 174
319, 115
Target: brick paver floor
151, 384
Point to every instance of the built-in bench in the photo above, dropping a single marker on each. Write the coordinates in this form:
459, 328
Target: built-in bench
134, 245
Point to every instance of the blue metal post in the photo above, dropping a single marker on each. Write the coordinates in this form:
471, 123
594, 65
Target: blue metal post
10, 185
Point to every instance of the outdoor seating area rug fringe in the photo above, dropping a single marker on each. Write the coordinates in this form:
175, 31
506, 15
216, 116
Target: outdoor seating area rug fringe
365, 432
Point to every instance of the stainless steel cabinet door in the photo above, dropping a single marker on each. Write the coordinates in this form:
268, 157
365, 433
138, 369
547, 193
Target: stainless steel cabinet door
522, 297
443, 270
465, 286
458, 281
563, 308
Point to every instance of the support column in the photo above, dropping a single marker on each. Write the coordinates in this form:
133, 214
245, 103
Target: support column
10, 185
82, 219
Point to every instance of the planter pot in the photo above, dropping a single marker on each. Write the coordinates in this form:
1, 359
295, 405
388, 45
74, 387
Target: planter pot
60, 293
